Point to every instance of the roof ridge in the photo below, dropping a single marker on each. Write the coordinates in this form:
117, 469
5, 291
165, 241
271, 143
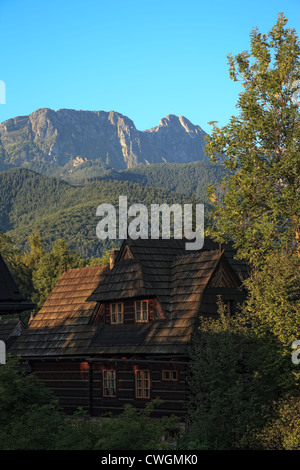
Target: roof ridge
198, 253
90, 268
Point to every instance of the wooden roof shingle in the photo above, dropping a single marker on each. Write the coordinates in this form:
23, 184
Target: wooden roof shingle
10, 327
158, 268
11, 300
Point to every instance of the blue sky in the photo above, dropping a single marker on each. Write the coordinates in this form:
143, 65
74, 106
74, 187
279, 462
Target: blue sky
144, 59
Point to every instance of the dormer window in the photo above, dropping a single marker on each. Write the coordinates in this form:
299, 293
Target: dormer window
117, 312
141, 311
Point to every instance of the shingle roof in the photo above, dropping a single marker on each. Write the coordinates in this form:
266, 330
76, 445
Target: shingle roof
63, 320
9, 327
126, 279
67, 302
164, 251
177, 278
190, 276
10, 298
151, 271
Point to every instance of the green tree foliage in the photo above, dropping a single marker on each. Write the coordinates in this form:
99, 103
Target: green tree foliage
37, 271
259, 208
184, 178
29, 414
35, 203
51, 266
282, 431
147, 432
116, 432
234, 379
37, 251
273, 303
99, 261
242, 372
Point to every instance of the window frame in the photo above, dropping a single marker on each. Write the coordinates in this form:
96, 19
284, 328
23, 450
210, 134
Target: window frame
171, 372
112, 391
111, 313
141, 311
145, 391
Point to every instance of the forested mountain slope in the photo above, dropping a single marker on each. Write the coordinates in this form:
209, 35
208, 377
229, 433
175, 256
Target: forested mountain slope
32, 202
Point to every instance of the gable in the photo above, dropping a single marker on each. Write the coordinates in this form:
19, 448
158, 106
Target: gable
125, 280
126, 253
223, 276
11, 300
10, 327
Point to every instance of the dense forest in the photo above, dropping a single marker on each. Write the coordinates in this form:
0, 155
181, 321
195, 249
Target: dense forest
185, 178
32, 202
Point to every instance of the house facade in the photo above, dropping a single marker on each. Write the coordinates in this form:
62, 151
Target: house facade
120, 333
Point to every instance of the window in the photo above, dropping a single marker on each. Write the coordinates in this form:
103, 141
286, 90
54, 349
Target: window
169, 375
116, 313
109, 383
142, 384
141, 310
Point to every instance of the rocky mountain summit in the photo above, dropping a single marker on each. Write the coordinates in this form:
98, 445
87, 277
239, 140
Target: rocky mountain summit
56, 142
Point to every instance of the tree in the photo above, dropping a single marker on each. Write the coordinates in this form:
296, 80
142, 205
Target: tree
37, 251
282, 431
273, 302
234, 378
51, 266
30, 416
99, 261
242, 366
110, 432
259, 208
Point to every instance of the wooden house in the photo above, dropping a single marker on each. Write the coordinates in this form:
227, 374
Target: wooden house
118, 334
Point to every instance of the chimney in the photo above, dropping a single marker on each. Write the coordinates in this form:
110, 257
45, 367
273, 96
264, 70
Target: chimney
112, 258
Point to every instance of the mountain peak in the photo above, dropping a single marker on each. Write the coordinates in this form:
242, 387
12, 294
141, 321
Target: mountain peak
180, 123
55, 141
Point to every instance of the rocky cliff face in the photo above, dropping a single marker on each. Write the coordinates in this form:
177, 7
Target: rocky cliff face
67, 138
178, 139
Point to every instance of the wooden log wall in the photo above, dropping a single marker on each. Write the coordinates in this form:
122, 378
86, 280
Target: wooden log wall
80, 383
